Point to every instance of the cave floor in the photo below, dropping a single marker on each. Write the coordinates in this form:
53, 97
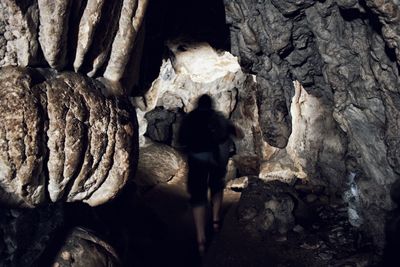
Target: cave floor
167, 237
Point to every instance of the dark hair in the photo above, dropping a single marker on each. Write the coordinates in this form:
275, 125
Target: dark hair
205, 101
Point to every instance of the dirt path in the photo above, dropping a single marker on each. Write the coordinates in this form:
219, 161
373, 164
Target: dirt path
168, 236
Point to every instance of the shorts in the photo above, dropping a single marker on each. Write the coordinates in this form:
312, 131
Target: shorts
204, 173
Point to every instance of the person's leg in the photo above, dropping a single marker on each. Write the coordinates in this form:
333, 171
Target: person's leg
199, 215
197, 188
216, 200
217, 185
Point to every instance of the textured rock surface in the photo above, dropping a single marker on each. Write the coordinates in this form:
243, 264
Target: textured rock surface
96, 38
87, 27
160, 125
132, 15
83, 248
22, 138
192, 70
266, 207
170, 165
27, 233
54, 18
315, 149
63, 137
18, 33
345, 56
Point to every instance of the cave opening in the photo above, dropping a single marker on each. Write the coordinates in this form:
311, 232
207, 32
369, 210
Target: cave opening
196, 21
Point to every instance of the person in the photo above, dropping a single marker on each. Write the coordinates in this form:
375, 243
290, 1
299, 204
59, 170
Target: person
205, 133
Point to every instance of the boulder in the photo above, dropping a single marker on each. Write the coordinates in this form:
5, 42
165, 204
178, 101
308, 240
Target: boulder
84, 248
170, 164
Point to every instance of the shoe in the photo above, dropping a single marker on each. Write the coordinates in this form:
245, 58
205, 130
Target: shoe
217, 226
201, 246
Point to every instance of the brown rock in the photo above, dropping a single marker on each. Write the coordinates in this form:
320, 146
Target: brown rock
170, 164
21, 144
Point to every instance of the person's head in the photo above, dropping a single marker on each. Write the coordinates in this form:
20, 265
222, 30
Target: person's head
205, 102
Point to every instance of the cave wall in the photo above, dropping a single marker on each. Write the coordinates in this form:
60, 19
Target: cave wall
70, 64
346, 55
318, 96
99, 39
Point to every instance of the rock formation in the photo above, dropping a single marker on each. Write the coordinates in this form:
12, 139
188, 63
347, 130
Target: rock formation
345, 56
90, 37
314, 87
83, 248
63, 138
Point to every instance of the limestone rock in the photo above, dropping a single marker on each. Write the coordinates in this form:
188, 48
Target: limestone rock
88, 143
170, 165
266, 207
131, 18
53, 30
83, 248
238, 184
125, 158
87, 27
345, 56
21, 138
103, 38
247, 164
18, 33
196, 68
159, 127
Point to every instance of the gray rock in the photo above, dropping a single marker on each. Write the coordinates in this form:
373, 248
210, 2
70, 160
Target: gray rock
266, 207
159, 126
19, 37
84, 248
131, 18
54, 17
350, 70
87, 27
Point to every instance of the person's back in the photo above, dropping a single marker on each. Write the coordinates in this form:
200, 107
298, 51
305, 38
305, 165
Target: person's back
203, 130
205, 134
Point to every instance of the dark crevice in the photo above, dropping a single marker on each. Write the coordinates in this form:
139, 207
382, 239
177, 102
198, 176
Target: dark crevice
78, 7
372, 20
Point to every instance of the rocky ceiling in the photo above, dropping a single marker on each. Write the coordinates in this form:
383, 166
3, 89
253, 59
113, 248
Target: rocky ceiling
325, 91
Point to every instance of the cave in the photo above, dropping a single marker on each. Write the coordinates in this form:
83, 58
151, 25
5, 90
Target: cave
93, 95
